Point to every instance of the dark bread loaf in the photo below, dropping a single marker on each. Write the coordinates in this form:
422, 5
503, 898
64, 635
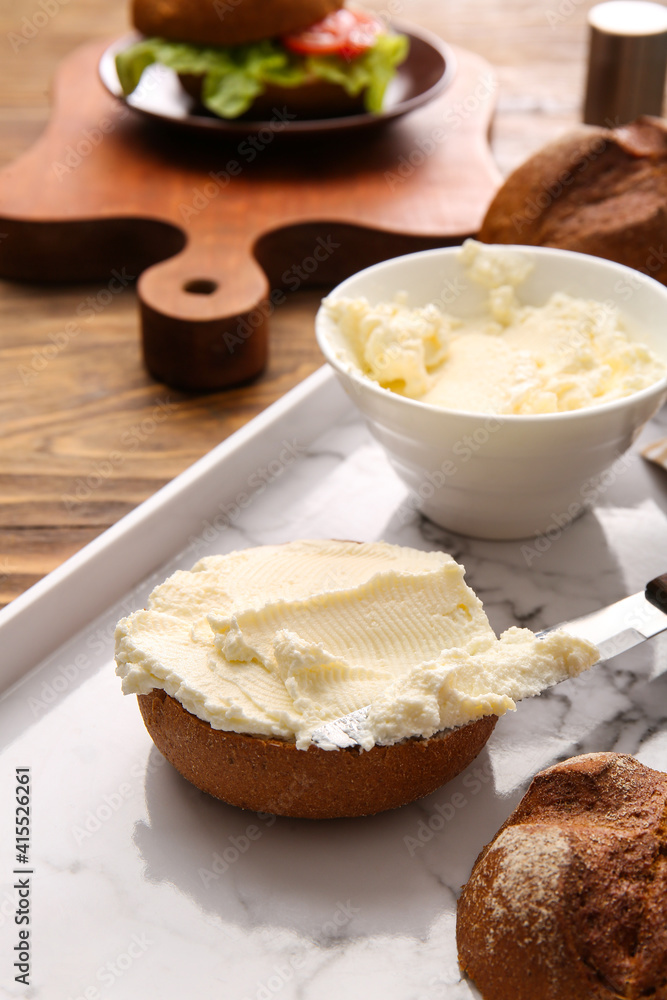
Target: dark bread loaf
227, 22
597, 191
272, 776
569, 901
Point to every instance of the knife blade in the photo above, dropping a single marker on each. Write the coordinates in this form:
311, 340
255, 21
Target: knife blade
624, 624
613, 629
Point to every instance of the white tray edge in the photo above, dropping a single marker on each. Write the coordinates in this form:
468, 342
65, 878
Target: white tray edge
58, 606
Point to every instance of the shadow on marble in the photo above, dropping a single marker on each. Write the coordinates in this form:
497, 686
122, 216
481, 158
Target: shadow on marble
390, 874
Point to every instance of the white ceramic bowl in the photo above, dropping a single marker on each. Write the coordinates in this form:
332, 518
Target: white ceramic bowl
508, 476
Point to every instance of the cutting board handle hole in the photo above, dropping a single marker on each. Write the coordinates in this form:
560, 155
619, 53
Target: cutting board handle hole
200, 286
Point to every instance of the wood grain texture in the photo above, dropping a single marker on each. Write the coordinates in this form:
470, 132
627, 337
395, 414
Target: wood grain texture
80, 442
107, 193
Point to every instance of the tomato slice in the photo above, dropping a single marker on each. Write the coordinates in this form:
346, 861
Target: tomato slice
344, 33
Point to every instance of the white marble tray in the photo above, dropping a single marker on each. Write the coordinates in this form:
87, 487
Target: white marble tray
143, 886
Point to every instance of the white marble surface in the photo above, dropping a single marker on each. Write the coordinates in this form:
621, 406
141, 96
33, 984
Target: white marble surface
125, 898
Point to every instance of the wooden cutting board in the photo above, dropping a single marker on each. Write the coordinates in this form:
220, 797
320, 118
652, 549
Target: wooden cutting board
217, 237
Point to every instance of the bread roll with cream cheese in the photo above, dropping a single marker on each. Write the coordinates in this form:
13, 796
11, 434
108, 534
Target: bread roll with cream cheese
240, 662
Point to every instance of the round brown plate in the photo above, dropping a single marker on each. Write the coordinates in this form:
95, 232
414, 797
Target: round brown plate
428, 69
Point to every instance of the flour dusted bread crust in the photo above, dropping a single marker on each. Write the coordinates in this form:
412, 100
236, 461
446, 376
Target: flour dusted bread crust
569, 901
272, 776
596, 191
227, 22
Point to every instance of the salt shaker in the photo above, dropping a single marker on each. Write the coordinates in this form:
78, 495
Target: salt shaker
627, 61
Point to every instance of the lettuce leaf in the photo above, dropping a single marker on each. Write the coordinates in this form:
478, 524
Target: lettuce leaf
370, 72
235, 75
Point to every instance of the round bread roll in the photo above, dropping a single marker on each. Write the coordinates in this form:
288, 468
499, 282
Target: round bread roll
227, 22
597, 191
272, 776
569, 901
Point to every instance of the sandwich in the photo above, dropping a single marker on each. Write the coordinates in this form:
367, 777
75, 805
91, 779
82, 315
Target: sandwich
244, 57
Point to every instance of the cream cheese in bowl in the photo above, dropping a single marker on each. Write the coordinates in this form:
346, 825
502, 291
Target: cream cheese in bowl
503, 380
510, 358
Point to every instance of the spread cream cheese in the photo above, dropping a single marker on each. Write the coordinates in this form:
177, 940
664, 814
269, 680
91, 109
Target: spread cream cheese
280, 639
565, 355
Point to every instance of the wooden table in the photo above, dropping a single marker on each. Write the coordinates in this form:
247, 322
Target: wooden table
85, 433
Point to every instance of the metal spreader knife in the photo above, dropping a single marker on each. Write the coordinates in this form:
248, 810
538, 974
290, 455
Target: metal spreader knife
613, 629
